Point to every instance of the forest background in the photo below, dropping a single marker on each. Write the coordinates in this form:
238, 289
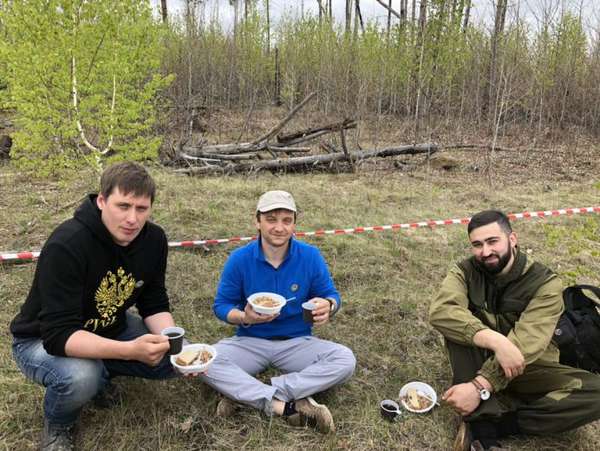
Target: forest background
85, 83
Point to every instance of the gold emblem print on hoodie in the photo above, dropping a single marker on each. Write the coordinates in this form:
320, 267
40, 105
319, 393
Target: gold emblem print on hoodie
112, 293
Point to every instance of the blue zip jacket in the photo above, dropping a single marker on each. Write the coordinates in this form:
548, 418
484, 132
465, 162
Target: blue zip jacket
303, 275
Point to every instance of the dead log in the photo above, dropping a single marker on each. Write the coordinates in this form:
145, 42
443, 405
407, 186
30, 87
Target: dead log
218, 156
223, 149
315, 160
285, 120
345, 149
236, 150
287, 149
345, 124
479, 146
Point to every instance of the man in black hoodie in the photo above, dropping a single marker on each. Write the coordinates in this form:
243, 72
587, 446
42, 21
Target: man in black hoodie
74, 333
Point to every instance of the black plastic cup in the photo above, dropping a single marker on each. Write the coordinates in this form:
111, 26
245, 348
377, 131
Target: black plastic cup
307, 312
175, 335
390, 410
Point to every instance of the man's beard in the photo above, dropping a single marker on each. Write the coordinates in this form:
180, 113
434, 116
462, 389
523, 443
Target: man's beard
496, 267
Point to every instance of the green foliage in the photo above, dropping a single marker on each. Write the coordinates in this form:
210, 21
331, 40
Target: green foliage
546, 75
578, 236
108, 52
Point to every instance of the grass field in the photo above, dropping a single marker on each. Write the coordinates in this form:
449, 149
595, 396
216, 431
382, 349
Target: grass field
386, 280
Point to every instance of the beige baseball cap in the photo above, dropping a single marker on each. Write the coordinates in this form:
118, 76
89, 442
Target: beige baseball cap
272, 200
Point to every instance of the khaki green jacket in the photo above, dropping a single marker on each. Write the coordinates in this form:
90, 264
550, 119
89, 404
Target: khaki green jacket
532, 331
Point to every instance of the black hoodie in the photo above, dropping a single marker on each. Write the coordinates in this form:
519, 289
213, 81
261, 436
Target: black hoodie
84, 280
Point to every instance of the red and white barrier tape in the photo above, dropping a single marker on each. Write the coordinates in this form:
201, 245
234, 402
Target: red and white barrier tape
410, 225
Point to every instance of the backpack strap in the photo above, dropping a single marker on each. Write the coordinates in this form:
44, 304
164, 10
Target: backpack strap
575, 299
591, 288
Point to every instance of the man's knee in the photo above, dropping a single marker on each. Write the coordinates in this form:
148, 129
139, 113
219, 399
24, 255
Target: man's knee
347, 361
81, 379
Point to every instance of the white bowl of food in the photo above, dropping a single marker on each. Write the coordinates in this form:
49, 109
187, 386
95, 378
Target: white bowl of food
266, 303
194, 358
418, 397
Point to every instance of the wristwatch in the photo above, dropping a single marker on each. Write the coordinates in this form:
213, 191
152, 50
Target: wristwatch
332, 306
484, 393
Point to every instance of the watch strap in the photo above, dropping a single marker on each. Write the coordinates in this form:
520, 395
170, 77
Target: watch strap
477, 385
333, 306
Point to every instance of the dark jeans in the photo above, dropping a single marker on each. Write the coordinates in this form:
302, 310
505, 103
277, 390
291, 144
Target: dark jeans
547, 398
72, 382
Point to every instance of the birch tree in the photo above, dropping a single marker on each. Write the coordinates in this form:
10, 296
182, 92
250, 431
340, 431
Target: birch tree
82, 78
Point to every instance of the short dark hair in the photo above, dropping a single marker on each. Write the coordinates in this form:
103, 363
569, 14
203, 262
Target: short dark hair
129, 177
486, 217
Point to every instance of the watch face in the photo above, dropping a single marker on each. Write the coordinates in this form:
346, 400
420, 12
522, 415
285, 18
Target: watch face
485, 394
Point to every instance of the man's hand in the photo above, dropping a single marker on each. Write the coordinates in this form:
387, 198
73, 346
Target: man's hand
463, 398
321, 313
510, 359
149, 348
252, 317
508, 355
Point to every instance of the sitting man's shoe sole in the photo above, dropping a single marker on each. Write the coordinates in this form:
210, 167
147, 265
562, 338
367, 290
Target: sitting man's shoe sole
57, 437
477, 446
310, 412
463, 439
226, 408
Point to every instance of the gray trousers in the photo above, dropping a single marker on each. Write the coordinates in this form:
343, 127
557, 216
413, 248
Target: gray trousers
310, 365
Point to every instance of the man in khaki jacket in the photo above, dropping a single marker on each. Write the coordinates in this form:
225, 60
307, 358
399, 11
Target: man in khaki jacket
497, 312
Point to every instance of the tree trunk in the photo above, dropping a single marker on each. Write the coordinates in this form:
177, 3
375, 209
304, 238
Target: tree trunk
403, 12
348, 16
467, 16
389, 18
163, 10
268, 27
320, 11
496, 38
359, 15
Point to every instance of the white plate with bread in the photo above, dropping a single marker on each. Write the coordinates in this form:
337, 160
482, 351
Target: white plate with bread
194, 358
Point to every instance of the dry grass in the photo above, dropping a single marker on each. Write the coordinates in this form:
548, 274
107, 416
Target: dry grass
386, 280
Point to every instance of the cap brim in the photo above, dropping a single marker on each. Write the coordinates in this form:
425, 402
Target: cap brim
277, 206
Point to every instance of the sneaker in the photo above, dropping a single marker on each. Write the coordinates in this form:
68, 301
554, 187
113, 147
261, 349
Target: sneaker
226, 408
111, 396
310, 412
57, 437
463, 439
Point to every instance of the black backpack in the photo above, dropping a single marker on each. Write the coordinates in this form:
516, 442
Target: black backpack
577, 333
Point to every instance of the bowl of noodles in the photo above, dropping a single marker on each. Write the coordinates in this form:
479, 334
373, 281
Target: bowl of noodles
418, 397
266, 303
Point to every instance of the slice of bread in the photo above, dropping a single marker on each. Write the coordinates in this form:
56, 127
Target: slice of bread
187, 357
413, 399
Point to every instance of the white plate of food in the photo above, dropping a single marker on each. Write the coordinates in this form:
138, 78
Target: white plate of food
266, 303
194, 358
418, 397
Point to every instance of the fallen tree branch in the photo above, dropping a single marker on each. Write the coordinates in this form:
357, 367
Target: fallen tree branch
345, 124
217, 156
281, 124
389, 9
479, 146
313, 160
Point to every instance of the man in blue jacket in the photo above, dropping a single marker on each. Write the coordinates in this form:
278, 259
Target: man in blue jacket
278, 263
